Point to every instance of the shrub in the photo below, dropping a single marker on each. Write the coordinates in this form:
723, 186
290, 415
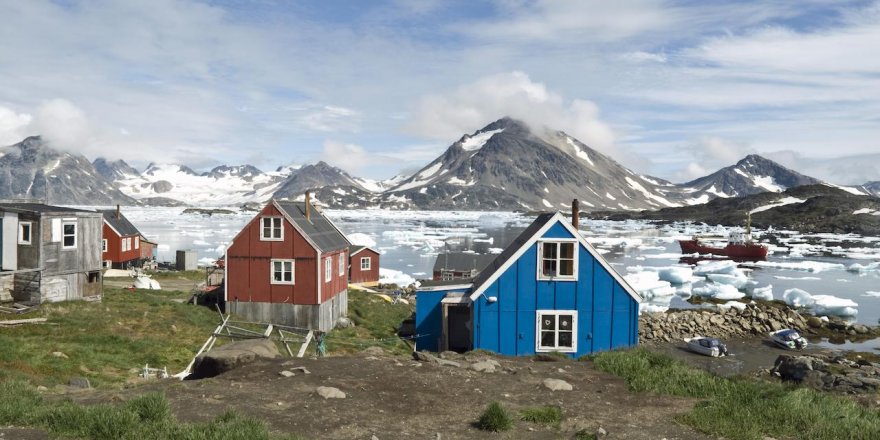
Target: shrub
544, 415
495, 419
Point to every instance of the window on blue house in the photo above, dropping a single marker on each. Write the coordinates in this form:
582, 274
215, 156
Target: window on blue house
556, 330
557, 260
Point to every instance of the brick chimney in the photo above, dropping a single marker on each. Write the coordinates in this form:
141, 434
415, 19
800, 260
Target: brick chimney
308, 205
575, 213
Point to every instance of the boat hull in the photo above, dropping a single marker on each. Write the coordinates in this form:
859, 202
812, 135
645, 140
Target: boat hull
755, 251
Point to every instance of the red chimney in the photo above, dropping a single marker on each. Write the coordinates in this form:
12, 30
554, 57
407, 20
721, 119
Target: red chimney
575, 214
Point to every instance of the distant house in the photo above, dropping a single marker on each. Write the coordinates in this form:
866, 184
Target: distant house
148, 249
122, 247
289, 265
459, 265
49, 253
363, 266
548, 291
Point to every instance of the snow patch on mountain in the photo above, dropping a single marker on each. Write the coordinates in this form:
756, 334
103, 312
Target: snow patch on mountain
578, 151
475, 142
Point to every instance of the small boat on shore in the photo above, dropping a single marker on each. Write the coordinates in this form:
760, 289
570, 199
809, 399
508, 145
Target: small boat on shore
706, 346
788, 339
739, 245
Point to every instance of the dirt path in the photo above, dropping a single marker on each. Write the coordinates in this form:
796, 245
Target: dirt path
394, 397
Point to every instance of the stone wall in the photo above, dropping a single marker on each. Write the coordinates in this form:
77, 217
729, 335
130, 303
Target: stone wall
755, 319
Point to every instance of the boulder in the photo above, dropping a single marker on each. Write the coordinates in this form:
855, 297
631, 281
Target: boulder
330, 393
483, 367
796, 368
557, 385
423, 356
79, 382
814, 322
231, 356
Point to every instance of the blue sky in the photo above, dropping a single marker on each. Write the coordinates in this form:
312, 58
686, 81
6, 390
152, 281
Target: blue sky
670, 88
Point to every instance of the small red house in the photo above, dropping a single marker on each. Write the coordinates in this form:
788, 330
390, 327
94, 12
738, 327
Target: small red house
363, 266
288, 266
121, 245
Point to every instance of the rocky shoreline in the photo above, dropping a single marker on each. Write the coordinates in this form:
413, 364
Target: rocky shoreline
756, 319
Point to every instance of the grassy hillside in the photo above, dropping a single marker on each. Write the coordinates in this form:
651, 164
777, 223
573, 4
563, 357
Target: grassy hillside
103, 341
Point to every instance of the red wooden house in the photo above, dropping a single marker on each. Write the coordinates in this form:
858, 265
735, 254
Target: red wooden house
288, 266
363, 266
121, 245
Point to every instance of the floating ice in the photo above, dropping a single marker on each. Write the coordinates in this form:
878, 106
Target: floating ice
390, 276
718, 291
723, 267
647, 307
872, 293
361, 239
863, 268
764, 293
821, 305
797, 298
732, 304
649, 285
737, 279
832, 305
808, 266
675, 274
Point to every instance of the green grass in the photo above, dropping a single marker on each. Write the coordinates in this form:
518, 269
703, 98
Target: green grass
193, 275
375, 324
103, 341
543, 415
495, 419
742, 408
147, 416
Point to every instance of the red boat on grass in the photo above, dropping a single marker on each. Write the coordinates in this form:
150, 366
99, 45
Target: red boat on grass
739, 245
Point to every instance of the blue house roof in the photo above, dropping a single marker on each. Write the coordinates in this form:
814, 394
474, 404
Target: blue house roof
527, 239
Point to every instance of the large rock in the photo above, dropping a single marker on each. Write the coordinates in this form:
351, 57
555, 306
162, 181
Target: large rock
330, 393
796, 368
557, 385
231, 356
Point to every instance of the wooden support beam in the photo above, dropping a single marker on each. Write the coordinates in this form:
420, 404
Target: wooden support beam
305, 344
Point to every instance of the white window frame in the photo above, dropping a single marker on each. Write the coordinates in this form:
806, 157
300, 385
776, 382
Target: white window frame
342, 264
64, 235
272, 228
107, 264
556, 242
103, 245
292, 263
369, 264
574, 329
328, 269
21, 237
137, 242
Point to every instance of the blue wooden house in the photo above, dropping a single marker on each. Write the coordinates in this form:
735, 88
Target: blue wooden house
549, 291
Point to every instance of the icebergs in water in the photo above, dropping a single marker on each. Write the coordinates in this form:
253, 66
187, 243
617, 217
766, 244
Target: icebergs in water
391, 276
718, 291
821, 305
737, 279
763, 293
705, 268
808, 266
675, 274
864, 268
734, 304
649, 285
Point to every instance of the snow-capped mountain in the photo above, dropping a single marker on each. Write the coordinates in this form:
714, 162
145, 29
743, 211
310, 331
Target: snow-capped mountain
507, 166
315, 176
223, 185
31, 169
114, 170
751, 175
872, 188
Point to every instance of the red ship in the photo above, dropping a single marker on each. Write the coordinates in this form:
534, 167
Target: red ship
739, 245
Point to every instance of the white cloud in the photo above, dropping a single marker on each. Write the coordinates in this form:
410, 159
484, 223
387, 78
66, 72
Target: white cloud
64, 125
13, 126
471, 106
349, 157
